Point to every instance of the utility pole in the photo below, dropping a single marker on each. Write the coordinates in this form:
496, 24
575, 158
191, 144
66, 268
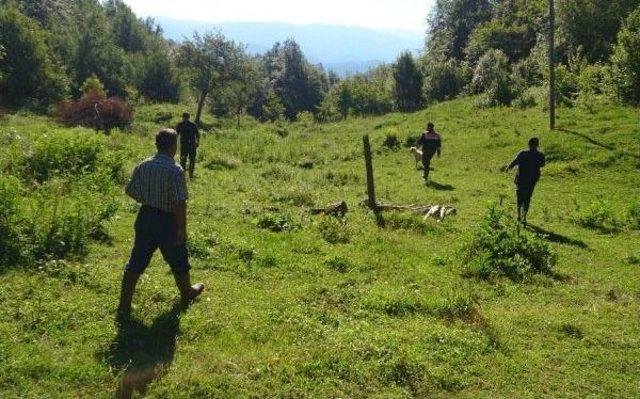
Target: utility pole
552, 65
371, 189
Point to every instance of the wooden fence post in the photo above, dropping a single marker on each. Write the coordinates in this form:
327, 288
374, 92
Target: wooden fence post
371, 189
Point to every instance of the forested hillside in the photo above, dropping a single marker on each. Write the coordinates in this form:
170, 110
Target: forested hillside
497, 49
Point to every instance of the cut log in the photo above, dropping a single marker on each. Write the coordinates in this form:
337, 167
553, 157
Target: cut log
437, 212
338, 209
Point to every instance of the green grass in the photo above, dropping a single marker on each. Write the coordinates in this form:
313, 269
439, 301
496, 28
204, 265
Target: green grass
300, 306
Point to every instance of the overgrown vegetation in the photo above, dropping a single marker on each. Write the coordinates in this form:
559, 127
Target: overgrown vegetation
501, 248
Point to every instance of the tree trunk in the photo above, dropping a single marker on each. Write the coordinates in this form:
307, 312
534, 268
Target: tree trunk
552, 65
201, 100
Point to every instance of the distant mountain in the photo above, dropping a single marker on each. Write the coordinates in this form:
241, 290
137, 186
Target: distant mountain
343, 49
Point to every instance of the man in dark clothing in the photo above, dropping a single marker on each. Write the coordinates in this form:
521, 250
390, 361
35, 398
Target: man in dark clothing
529, 163
431, 144
189, 142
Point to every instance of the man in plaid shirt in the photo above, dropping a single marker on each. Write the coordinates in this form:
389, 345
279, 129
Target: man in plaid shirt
159, 184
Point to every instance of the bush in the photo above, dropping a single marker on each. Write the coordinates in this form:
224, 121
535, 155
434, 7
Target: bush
334, 230
276, 223
96, 112
500, 248
599, 216
492, 77
391, 141
70, 154
58, 219
444, 80
633, 216
626, 60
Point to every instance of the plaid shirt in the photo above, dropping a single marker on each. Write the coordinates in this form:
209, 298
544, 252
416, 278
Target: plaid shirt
158, 182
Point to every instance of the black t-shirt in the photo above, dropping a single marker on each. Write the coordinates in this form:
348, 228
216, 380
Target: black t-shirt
188, 132
529, 163
430, 143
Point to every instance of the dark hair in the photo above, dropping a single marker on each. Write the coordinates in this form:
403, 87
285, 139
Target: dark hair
186, 115
534, 142
166, 139
431, 126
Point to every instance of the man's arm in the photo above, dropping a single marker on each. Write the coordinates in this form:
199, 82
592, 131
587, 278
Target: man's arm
132, 188
439, 148
513, 163
197, 135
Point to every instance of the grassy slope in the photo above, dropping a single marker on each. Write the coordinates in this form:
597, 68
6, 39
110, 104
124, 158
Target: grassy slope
277, 321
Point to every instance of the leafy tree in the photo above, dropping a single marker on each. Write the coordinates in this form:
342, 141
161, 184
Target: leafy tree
213, 61
159, 80
515, 41
452, 23
93, 84
408, 84
444, 80
298, 84
272, 110
239, 94
592, 25
32, 74
492, 76
626, 60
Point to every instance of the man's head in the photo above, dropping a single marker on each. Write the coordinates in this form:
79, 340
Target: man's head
430, 127
167, 142
186, 116
534, 142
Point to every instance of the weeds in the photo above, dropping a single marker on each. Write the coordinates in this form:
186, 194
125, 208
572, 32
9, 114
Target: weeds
334, 231
599, 216
500, 248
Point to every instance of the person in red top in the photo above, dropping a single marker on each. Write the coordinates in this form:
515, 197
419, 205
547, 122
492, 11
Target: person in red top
431, 144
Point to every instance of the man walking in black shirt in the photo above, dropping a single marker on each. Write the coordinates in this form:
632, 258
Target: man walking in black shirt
431, 144
529, 163
189, 142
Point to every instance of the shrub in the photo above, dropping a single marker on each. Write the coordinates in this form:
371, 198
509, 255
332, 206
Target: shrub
598, 216
633, 216
339, 264
500, 248
334, 230
68, 153
95, 111
391, 141
492, 76
275, 222
626, 60
444, 80
10, 198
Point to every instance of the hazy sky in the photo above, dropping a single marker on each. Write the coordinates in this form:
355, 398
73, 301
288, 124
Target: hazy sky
403, 14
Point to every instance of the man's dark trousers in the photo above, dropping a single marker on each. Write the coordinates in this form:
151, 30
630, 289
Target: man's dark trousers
188, 151
524, 192
427, 156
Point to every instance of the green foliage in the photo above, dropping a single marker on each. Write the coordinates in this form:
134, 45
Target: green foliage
444, 80
275, 222
492, 76
334, 230
272, 110
31, 72
408, 84
370, 94
68, 154
626, 60
93, 85
598, 215
633, 215
500, 248
515, 42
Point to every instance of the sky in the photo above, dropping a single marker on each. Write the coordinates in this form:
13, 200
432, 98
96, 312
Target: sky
377, 14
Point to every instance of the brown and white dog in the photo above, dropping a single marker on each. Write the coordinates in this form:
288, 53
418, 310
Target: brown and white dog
417, 155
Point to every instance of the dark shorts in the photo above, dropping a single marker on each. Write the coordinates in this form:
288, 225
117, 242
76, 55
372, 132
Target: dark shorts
156, 229
524, 192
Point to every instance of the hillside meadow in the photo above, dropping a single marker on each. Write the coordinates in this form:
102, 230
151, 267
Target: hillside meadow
302, 306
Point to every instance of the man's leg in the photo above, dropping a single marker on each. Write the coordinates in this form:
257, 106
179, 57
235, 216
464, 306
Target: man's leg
143, 248
528, 194
426, 164
188, 292
183, 157
192, 162
520, 202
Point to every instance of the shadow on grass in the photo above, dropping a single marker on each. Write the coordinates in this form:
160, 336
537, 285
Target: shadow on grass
557, 238
597, 143
142, 354
440, 187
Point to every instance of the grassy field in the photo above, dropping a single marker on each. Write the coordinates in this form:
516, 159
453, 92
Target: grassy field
332, 309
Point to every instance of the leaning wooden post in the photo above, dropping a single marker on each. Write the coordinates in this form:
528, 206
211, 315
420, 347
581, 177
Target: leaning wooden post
552, 65
371, 189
